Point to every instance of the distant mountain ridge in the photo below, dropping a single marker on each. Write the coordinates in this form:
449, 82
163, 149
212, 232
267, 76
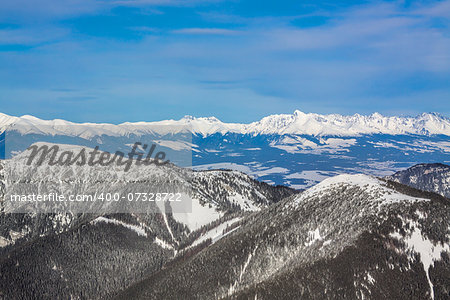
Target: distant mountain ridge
298, 123
427, 177
320, 145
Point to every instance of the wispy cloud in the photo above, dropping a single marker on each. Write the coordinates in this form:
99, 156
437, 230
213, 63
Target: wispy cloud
160, 2
145, 29
440, 9
31, 36
39, 10
31, 11
206, 31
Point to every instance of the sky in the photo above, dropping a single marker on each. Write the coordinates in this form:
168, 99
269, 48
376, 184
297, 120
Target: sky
148, 60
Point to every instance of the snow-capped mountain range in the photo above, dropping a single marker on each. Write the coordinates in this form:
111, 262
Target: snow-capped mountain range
298, 123
297, 150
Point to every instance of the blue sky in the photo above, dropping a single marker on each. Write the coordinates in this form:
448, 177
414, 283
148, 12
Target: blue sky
134, 60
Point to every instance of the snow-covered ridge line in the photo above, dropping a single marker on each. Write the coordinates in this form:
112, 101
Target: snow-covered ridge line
296, 123
376, 189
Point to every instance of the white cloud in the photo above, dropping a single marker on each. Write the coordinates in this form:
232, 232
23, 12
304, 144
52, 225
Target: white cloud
206, 31
32, 10
440, 9
31, 36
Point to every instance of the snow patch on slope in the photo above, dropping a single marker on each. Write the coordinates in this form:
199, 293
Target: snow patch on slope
137, 229
216, 233
200, 215
313, 236
417, 242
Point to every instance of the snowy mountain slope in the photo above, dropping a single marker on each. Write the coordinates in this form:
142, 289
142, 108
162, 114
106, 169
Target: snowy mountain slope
92, 255
221, 189
352, 237
209, 194
298, 123
427, 177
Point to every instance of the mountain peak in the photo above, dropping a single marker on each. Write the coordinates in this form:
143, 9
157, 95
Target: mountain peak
375, 190
376, 115
299, 113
